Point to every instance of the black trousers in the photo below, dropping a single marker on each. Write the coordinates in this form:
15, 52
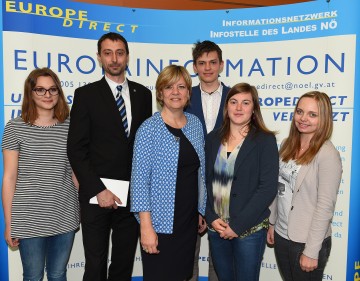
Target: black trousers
288, 259
96, 224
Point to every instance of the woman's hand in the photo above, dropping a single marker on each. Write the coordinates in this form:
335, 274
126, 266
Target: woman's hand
148, 237
308, 264
149, 240
270, 235
11, 163
228, 233
75, 181
202, 224
219, 225
10, 241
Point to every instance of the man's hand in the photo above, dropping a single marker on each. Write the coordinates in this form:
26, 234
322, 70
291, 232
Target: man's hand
107, 199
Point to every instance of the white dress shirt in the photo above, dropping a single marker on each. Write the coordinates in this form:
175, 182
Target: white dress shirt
211, 105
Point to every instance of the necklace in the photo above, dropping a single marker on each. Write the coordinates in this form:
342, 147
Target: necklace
209, 93
304, 148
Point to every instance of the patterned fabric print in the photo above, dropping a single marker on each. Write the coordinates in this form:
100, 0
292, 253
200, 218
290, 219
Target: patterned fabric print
288, 173
223, 177
154, 169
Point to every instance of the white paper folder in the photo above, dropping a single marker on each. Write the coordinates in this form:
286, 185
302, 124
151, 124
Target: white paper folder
118, 187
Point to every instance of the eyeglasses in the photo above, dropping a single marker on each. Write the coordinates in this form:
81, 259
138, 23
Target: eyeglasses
42, 91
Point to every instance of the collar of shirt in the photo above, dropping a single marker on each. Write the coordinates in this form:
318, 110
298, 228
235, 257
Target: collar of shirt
113, 86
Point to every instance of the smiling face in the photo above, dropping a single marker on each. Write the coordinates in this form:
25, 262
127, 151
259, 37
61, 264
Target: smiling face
48, 101
208, 66
307, 116
175, 96
240, 109
113, 58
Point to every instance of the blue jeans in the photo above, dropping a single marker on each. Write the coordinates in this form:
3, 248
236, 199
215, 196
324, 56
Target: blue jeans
238, 259
54, 251
288, 254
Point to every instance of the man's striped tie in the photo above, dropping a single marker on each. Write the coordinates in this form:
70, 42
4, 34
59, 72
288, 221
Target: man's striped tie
121, 106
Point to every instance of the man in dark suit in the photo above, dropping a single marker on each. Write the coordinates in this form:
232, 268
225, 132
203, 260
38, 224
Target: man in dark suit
207, 103
100, 145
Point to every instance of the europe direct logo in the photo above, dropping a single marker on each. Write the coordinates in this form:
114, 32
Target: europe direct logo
70, 17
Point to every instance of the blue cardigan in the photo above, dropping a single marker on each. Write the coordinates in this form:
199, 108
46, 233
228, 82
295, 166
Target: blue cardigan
154, 170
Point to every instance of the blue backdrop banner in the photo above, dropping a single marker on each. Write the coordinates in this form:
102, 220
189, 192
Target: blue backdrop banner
284, 51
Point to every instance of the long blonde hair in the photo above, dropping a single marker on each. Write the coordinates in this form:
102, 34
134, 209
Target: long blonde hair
292, 145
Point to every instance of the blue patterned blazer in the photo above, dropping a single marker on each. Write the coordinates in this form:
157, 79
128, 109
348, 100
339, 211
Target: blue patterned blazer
154, 170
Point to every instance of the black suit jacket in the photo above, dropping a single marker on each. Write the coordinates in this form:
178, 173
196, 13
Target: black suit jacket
254, 183
97, 145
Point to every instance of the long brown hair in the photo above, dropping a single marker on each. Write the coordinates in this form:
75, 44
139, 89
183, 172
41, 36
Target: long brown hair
256, 120
28, 109
292, 145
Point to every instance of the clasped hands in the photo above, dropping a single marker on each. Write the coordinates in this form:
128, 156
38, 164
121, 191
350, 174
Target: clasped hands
223, 229
107, 199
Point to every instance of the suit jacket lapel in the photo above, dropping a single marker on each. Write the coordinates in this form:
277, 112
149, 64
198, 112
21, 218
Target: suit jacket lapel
109, 100
215, 144
301, 176
219, 118
110, 103
197, 105
134, 107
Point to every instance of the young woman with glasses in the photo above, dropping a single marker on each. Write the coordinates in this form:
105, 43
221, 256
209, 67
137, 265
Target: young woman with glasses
39, 194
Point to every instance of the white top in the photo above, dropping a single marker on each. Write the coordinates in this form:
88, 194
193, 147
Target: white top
45, 202
125, 93
211, 106
288, 173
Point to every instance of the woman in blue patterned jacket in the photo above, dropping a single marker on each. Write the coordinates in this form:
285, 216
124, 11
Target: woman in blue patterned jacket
168, 182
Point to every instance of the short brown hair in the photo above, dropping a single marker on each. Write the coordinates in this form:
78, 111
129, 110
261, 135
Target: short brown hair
28, 109
113, 37
205, 47
169, 75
